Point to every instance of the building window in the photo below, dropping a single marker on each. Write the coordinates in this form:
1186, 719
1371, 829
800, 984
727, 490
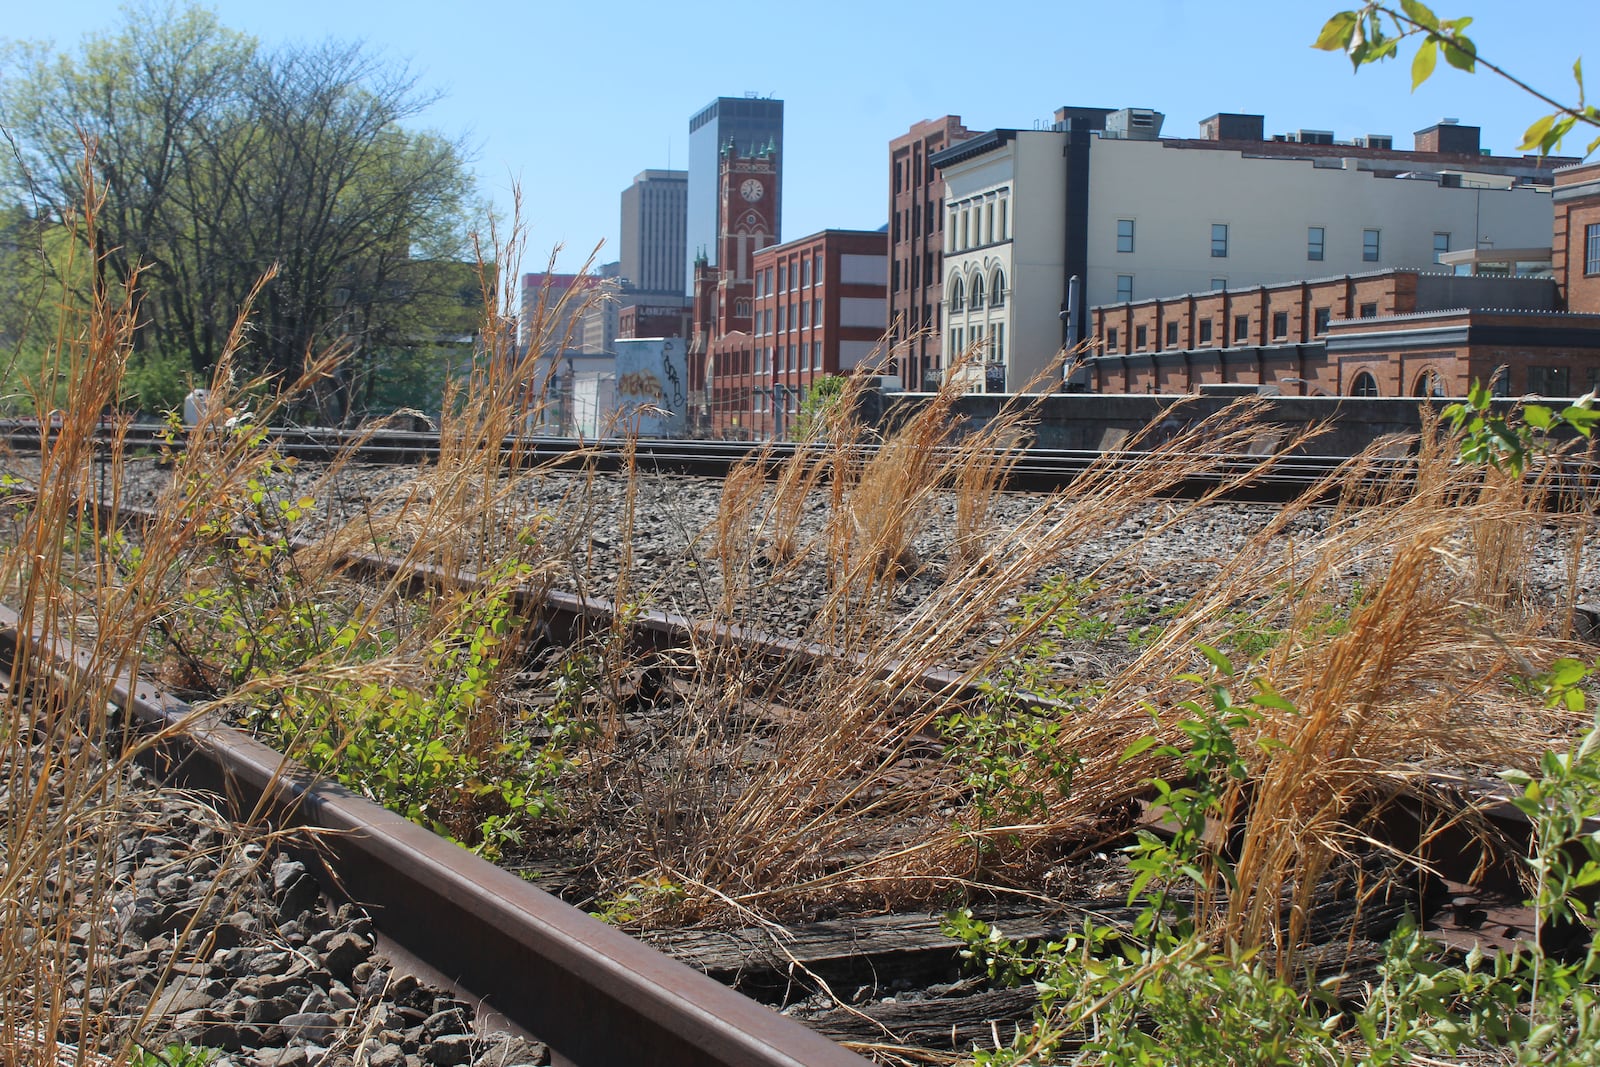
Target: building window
1219, 240
1172, 335
1000, 341
741, 307
955, 341
1441, 245
1369, 311
783, 277
1591, 248
1111, 339
816, 313
805, 312
1280, 325
1140, 337
1315, 242
997, 289
1241, 328
1369, 246
1004, 233
1124, 235
805, 272
977, 291
1321, 321
1219, 284
1429, 383
1124, 288
1550, 381
1205, 331
1364, 385
957, 299
816, 269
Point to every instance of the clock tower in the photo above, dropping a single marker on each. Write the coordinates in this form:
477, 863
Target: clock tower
746, 197
723, 317
746, 201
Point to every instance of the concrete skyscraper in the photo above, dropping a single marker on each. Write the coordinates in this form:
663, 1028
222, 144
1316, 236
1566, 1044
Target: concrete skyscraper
653, 251
746, 126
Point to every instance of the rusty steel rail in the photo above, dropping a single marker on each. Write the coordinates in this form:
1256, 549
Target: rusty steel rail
590, 992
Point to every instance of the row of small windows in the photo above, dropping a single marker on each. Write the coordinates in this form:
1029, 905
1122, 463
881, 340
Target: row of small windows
989, 345
791, 275
786, 317
1206, 329
1316, 242
970, 295
770, 358
974, 223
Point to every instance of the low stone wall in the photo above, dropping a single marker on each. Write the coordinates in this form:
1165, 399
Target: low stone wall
1093, 421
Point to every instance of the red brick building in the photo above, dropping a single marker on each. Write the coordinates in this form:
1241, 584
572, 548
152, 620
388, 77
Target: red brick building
817, 309
720, 335
653, 320
1575, 248
1389, 333
916, 249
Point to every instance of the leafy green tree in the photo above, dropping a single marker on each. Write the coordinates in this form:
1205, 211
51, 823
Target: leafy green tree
820, 399
1374, 32
223, 162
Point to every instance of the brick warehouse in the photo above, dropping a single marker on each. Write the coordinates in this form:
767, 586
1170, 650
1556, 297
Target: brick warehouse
818, 309
1388, 333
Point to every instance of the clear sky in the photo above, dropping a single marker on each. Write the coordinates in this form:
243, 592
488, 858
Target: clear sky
572, 98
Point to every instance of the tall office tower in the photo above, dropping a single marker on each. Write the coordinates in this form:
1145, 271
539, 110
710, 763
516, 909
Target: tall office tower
747, 126
653, 217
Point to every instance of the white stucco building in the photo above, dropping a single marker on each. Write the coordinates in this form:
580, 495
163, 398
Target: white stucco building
1104, 198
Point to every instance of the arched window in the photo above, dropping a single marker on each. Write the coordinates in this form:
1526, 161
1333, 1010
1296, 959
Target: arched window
957, 300
1429, 383
1364, 385
977, 290
997, 287
741, 308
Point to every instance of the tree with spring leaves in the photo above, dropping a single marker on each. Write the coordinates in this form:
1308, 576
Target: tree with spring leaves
1375, 31
222, 162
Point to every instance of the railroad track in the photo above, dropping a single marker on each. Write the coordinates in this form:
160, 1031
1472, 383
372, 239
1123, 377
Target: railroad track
593, 994
1248, 477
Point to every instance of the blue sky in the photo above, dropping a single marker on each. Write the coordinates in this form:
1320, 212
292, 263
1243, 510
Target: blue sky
572, 99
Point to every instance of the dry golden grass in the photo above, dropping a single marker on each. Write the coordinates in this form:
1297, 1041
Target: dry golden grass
767, 787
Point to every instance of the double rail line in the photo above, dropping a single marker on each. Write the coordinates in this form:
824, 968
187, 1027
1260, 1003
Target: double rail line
1263, 477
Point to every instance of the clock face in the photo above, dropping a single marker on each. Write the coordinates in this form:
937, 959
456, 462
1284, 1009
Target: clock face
751, 190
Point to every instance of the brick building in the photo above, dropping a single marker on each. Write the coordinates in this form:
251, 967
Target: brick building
1388, 333
1575, 247
666, 318
721, 318
1102, 197
916, 249
818, 309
